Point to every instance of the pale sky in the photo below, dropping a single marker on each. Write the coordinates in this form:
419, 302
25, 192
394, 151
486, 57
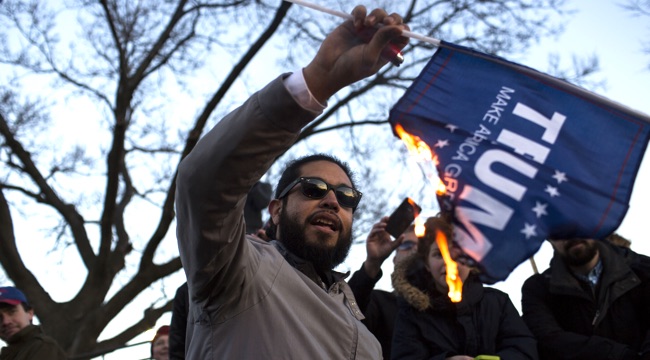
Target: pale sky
615, 36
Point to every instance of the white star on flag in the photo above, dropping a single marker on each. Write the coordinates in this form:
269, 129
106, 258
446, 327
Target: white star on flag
560, 176
540, 209
529, 230
552, 190
441, 143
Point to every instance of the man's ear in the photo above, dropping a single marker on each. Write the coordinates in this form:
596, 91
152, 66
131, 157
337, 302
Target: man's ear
275, 208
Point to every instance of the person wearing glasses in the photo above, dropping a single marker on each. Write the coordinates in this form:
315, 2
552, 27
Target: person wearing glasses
379, 306
253, 299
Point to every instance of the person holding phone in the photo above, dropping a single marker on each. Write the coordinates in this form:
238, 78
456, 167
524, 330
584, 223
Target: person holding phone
430, 326
378, 306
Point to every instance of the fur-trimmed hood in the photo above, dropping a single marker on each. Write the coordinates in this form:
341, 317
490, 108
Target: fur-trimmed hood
416, 296
413, 282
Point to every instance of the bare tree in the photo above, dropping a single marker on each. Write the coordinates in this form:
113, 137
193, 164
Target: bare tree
135, 62
579, 73
640, 8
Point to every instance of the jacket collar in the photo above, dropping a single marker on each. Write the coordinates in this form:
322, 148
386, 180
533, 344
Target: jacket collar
615, 269
328, 279
414, 284
23, 334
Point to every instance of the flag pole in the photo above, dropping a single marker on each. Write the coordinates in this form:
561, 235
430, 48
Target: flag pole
533, 264
346, 16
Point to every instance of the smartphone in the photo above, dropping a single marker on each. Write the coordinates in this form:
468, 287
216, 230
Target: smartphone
402, 217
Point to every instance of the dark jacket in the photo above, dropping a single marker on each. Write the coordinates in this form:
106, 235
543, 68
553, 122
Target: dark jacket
430, 326
178, 326
31, 343
378, 306
572, 322
257, 200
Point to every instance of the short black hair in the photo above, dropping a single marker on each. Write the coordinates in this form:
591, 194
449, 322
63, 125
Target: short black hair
292, 171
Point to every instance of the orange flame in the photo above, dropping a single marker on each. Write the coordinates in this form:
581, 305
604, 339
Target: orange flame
415, 145
419, 227
423, 152
454, 281
441, 188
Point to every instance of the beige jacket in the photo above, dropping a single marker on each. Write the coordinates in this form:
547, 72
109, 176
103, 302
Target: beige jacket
246, 300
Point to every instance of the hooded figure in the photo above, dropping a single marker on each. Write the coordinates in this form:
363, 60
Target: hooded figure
430, 326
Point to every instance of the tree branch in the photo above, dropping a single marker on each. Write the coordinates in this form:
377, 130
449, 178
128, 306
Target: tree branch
48, 196
155, 50
195, 133
14, 266
123, 62
149, 318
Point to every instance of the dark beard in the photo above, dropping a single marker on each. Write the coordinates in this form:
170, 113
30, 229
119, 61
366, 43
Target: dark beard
575, 257
292, 236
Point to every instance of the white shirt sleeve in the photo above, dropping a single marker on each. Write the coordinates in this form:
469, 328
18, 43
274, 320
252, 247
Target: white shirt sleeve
297, 87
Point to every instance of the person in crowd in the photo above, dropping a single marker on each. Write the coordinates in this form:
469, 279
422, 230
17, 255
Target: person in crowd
178, 326
591, 303
257, 200
378, 306
430, 326
253, 299
24, 340
160, 344
618, 240
407, 247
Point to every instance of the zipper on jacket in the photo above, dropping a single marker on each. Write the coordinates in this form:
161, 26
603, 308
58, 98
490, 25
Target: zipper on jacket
596, 317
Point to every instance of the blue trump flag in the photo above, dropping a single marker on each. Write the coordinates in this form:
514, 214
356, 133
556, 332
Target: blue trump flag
524, 156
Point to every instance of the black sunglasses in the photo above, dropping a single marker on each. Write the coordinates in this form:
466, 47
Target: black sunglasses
315, 188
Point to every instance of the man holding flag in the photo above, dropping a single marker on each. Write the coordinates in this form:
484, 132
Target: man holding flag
253, 299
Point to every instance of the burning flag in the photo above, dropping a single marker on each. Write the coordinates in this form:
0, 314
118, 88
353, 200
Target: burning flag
524, 156
426, 157
423, 155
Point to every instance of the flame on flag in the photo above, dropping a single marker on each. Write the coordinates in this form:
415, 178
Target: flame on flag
423, 154
454, 281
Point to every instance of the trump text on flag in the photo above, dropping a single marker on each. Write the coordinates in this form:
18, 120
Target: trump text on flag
524, 156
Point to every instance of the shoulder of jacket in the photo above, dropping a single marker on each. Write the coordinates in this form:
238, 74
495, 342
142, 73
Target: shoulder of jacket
501, 297
540, 277
494, 291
